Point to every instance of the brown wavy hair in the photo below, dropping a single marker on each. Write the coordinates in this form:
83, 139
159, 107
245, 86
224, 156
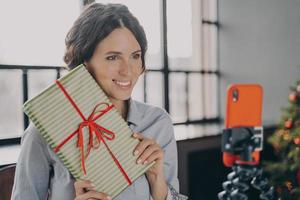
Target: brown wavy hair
94, 24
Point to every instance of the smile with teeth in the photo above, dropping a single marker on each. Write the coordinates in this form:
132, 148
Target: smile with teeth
122, 84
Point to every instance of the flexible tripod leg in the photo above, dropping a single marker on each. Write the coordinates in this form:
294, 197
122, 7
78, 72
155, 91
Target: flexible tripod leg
236, 185
260, 182
228, 187
239, 180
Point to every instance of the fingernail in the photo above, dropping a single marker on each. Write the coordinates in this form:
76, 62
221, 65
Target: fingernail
134, 134
108, 197
145, 162
136, 152
139, 161
93, 185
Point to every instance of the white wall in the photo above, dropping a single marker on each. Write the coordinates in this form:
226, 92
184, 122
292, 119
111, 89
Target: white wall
260, 43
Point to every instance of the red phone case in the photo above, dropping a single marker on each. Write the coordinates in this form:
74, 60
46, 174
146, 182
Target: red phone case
245, 110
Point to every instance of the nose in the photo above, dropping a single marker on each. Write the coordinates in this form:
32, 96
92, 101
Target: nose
125, 68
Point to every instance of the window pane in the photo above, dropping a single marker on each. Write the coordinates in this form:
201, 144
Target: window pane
63, 71
184, 34
211, 96
148, 14
178, 97
138, 92
154, 88
209, 44
39, 80
11, 116
195, 96
33, 31
183, 132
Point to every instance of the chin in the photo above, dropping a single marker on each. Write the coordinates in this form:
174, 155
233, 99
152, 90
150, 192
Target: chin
122, 97
126, 98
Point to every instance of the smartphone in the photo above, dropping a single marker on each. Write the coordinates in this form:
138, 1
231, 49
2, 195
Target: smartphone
243, 109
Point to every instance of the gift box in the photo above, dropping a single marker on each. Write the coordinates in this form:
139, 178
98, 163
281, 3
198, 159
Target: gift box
87, 132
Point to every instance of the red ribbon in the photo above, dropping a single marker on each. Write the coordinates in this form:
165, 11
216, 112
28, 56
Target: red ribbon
94, 128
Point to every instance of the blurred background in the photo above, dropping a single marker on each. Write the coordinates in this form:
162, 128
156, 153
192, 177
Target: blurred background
196, 49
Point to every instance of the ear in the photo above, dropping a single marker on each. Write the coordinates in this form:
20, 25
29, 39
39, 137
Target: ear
85, 63
143, 71
87, 66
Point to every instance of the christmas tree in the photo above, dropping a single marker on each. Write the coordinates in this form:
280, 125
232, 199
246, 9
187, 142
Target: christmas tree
284, 172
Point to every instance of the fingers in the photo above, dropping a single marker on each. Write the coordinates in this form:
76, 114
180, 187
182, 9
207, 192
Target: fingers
82, 185
150, 150
154, 156
142, 146
84, 189
138, 136
147, 150
93, 195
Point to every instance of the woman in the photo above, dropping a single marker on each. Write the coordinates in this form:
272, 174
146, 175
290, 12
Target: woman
111, 43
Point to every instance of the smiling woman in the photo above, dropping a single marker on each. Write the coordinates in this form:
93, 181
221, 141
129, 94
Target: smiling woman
112, 44
116, 65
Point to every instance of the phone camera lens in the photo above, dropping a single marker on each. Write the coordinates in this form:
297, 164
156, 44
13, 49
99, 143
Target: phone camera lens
235, 95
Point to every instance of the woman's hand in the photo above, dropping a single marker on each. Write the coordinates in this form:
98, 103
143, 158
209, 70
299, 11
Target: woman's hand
85, 190
147, 151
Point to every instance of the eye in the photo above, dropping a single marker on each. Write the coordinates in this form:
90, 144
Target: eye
136, 56
112, 57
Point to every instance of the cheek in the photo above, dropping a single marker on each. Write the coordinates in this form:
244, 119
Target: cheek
103, 72
139, 73
102, 78
137, 68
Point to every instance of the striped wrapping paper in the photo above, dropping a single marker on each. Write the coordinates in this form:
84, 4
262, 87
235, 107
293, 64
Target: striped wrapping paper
56, 118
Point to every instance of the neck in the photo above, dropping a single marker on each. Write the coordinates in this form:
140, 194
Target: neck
121, 106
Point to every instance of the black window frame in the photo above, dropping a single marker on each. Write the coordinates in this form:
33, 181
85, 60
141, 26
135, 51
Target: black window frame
165, 71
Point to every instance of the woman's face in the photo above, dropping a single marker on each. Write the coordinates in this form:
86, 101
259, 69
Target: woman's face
116, 64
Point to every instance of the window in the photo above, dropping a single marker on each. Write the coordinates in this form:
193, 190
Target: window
182, 70
11, 120
32, 34
192, 59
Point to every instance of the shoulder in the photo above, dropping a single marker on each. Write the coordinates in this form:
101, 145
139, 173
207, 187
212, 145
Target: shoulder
153, 122
32, 135
33, 141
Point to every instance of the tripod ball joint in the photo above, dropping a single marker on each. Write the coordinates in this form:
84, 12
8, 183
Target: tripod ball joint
233, 195
260, 183
241, 185
246, 172
270, 194
231, 175
224, 195
228, 186
238, 195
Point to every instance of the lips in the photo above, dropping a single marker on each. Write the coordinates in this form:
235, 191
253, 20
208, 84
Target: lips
122, 84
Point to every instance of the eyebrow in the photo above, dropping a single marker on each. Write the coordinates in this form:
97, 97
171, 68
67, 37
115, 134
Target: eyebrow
137, 51
113, 52
119, 53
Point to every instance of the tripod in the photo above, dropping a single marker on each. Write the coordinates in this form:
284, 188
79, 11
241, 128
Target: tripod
243, 141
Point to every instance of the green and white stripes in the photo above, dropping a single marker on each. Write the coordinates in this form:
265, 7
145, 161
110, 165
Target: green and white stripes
56, 118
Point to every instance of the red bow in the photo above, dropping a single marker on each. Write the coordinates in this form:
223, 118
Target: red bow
94, 128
